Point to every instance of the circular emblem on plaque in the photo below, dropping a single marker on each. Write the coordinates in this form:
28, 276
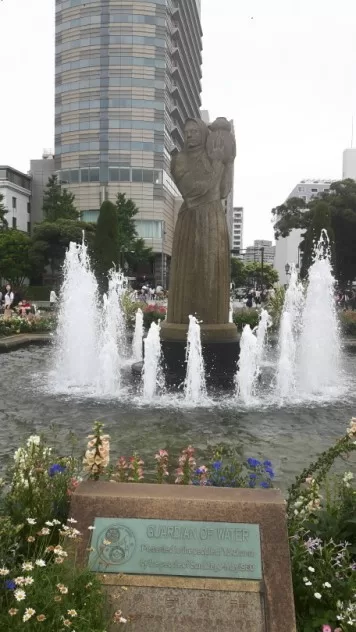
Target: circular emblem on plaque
116, 545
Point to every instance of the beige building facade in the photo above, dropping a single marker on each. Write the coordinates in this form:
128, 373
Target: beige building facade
128, 74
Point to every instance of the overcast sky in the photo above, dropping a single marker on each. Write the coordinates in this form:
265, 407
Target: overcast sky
284, 70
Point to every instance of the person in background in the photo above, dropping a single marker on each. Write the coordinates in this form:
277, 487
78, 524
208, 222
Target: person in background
53, 299
249, 301
8, 300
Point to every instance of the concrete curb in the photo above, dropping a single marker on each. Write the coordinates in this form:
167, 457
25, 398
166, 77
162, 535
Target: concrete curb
11, 343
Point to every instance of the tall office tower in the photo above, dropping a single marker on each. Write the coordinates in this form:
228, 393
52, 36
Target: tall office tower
128, 74
237, 230
349, 164
287, 248
254, 253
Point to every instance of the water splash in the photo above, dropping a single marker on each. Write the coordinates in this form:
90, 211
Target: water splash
76, 355
319, 357
288, 336
252, 349
231, 311
138, 336
194, 385
112, 336
152, 371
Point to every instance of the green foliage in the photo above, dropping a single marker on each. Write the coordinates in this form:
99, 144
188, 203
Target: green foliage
348, 323
321, 219
238, 275
15, 260
131, 247
3, 211
51, 240
321, 524
58, 203
130, 308
244, 316
340, 201
106, 242
38, 292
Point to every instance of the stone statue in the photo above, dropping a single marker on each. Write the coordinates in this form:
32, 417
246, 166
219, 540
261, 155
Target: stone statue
200, 267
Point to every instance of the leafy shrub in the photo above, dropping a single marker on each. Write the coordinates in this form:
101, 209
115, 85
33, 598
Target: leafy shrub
348, 323
275, 306
245, 316
37, 292
130, 307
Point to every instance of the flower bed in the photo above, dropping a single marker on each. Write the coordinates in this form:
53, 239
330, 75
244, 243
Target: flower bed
17, 325
348, 323
42, 587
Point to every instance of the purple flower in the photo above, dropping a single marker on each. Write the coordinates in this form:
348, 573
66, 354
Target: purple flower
267, 463
10, 584
56, 469
253, 462
217, 465
264, 484
269, 471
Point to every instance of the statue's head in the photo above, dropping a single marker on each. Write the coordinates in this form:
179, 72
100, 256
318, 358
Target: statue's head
195, 133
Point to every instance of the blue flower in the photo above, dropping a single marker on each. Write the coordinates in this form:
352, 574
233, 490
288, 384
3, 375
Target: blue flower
269, 471
264, 484
10, 584
56, 469
217, 465
253, 475
199, 471
252, 483
267, 463
253, 462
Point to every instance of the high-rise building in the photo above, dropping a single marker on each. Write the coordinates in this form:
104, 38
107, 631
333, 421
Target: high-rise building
287, 248
349, 164
15, 186
127, 76
254, 253
237, 229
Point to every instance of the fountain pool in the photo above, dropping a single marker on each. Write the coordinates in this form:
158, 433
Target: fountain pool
290, 435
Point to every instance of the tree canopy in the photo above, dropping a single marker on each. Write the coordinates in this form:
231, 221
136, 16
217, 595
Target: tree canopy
339, 212
132, 248
51, 240
3, 211
106, 243
247, 274
15, 259
58, 203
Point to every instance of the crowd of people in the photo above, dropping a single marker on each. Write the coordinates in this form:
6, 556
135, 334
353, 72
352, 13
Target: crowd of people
346, 300
147, 293
255, 297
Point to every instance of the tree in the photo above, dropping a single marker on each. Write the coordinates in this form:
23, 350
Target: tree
238, 272
58, 203
266, 277
320, 219
131, 247
51, 240
15, 261
340, 200
3, 211
106, 247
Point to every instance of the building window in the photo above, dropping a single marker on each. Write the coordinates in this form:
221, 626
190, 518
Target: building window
29, 207
14, 203
28, 227
149, 229
14, 222
314, 190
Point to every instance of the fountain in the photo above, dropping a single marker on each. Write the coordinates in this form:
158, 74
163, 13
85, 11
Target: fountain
252, 348
76, 357
112, 349
319, 343
152, 371
289, 333
137, 341
194, 385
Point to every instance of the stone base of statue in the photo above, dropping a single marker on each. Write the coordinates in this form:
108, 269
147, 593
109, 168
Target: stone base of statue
220, 347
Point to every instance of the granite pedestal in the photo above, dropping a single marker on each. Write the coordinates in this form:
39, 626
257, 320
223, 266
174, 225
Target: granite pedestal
158, 602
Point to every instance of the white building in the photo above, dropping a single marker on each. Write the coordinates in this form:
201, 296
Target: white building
287, 248
254, 253
349, 164
237, 228
15, 186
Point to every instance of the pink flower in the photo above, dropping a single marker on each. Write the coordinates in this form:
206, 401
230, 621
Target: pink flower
327, 628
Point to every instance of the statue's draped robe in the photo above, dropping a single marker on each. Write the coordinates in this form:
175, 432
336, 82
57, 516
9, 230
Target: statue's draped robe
200, 267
